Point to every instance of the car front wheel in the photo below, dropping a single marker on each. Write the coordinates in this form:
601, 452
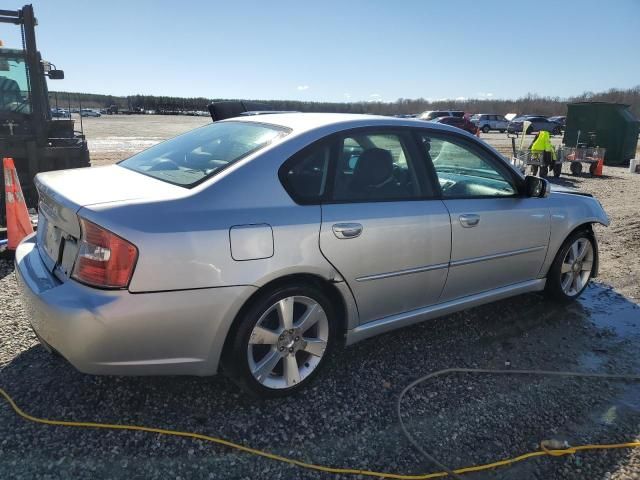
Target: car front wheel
486, 129
571, 270
281, 341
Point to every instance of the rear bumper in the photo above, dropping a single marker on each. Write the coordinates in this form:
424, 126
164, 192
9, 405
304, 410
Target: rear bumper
121, 333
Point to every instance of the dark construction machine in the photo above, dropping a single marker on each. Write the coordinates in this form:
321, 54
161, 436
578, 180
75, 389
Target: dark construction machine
28, 133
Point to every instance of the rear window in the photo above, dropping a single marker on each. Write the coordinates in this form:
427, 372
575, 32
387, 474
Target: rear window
191, 158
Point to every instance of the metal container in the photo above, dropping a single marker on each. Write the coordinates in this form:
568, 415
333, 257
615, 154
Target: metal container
602, 124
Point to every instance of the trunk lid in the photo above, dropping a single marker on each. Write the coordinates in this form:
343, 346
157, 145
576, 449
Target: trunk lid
63, 193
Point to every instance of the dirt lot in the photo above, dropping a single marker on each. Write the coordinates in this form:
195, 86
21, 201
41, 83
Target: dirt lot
347, 417
112, 138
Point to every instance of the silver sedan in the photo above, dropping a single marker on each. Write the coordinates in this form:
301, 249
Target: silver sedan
257, 244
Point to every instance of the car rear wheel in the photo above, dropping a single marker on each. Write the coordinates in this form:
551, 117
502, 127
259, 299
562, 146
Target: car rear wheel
281, 341
572, 268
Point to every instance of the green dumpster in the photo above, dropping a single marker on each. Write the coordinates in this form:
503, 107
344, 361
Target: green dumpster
602, 124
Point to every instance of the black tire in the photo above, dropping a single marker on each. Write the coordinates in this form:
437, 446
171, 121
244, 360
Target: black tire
557, 169
576, 168
592, 169
556, 131
486, 129
553, 287
544, 171
235, 360
502, 131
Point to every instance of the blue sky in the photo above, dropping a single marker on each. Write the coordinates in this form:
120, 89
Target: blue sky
339, 50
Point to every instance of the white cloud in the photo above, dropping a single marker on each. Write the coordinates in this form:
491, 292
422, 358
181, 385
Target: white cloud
303, 87
347, 95
485, 94
375, 95
461, 98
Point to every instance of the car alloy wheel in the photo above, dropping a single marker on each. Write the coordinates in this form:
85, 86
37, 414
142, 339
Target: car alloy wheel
576, 268
288, 342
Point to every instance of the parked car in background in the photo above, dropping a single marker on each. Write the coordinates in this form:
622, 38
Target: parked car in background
459, 122
60, 113
559, 119
538, 123
87, 112
431, 114
488, 122
355, 225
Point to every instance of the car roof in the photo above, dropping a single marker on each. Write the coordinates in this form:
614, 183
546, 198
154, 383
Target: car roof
302, 122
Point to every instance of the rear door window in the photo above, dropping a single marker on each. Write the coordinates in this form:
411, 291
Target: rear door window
378, 166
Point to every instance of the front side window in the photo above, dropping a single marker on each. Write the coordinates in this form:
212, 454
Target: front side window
188, 159
463, 173
376, 167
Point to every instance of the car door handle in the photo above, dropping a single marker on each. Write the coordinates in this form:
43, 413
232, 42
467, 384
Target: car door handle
469, 220
347, 230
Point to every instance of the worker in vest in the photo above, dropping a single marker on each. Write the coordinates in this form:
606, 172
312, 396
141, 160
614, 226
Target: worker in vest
541, 145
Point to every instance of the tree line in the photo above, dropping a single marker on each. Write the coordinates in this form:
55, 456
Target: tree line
529, 104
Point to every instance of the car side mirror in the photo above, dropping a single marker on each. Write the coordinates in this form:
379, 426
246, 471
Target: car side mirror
536, 187
56, 74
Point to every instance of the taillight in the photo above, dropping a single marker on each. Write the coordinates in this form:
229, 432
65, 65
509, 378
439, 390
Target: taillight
104, 259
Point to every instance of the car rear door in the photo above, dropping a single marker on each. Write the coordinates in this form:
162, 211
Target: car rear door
383, 228
499, 237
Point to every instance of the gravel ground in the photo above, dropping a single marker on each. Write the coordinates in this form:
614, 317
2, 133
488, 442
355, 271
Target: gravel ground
347, 418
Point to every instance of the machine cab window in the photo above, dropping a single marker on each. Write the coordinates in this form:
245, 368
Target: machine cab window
14, 89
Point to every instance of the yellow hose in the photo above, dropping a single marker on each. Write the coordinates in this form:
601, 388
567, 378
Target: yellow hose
310, 466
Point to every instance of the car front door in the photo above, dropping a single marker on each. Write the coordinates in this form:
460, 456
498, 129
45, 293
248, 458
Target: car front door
499, 237
383, 227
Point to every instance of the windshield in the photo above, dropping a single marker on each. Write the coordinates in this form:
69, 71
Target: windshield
14, 88
188, 159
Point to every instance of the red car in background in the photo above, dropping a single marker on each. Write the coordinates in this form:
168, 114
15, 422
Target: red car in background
460, 122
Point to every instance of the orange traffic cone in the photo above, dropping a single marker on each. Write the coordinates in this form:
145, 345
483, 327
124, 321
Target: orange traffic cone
18, 221
599, 165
